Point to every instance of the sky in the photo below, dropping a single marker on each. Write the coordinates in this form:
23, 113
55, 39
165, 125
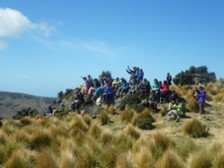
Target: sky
46, 46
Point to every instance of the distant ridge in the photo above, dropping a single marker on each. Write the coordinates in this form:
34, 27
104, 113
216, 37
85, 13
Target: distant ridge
11, 102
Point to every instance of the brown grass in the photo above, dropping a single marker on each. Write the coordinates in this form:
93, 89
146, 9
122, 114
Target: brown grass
200, 160
127, 115
95, 130
170, 160
111, 110
87, 119
103, 118
219, 160
144, 158
132, 131
195, 128
45, 159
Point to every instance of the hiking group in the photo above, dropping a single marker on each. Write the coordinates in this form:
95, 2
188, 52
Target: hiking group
106, 90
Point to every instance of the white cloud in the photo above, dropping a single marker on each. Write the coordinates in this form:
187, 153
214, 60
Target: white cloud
2, 45
13, 23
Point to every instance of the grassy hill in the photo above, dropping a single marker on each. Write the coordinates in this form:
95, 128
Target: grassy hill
12, 102
114, 139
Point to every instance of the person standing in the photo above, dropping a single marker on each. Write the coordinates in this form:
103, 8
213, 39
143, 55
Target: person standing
201, 99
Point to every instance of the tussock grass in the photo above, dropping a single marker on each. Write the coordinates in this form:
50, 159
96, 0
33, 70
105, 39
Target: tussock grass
45, 159
219, 160
125, 161
111, 110
126, 115
106, 137
108, 157
26, 121
78, 125
144, 158
185, 147
143, 120
171, 160
200, 160
21, 159
192, 103
132, 131
195, 128
122, 142
164, 111
95, 130
162, 141
103, 118
67, 160
87, 119
40, 139
85, 158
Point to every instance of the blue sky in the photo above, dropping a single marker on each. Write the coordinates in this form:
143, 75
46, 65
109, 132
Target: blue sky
45, 46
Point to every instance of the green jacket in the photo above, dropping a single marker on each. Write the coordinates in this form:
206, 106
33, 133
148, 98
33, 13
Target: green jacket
180, 108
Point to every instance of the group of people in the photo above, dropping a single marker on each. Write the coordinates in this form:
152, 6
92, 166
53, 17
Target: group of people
106, 90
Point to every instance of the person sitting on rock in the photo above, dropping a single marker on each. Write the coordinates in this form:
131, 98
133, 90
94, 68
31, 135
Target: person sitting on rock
124, 88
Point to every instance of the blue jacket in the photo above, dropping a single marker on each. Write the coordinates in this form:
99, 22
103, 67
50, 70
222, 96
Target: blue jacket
202, 96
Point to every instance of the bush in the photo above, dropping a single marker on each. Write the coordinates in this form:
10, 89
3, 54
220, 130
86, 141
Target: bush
162, 141
124, 161
195, 128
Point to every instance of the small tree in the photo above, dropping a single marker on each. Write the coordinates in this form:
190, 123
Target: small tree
105, 74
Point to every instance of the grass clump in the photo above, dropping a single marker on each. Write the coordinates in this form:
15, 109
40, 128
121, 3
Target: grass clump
108, 157
127, 115
25, 121
95, 130
185, 147
111, 110
104, 118
143, 120
20, 159
219, 160
132, 132
40, 139
200, 160
87, 119
45, 159
195, 128
143, 158
122, 142
162, 141
125, 161
170, 160
106, 137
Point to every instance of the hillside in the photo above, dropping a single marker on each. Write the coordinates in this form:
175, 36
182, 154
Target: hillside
114, 138
12, 102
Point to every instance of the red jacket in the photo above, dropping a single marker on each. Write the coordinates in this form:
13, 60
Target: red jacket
164, 88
